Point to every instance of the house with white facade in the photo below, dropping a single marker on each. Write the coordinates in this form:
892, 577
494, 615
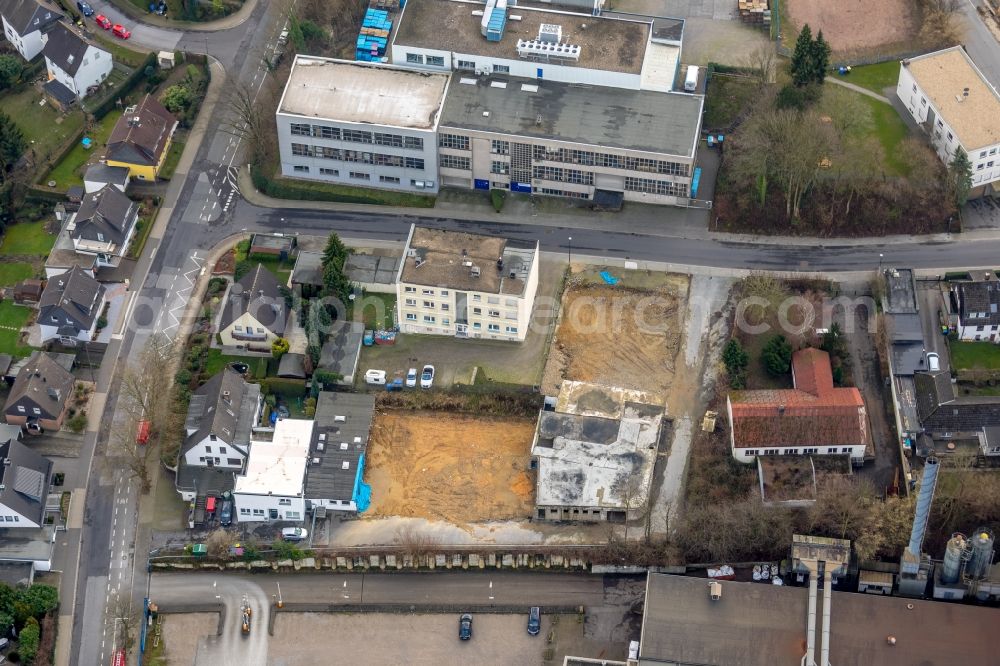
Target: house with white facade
220, 420
70, 307
25, 23
466, 285
978, 309
74, 64
104, 225
947, 94
255, 314
272, 487
24, 482
335, 473
814, 418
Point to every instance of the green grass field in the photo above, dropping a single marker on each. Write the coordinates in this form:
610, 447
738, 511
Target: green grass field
873, 77
173, 157
890, 130
69, 172
13, 273
27, 238
975, 355
216, 361
44, 128
12, 320
120, 52
726, 98
882, 122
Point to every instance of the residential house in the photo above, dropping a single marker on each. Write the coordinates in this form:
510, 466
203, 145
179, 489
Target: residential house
955, 424
466, 285
947, 94
97, 176
334, 476
814, 418
978, 309
272, 487
255, 314
75, 65
40, 395
70, 307
24, 482
25, 24
141, 139
104, 225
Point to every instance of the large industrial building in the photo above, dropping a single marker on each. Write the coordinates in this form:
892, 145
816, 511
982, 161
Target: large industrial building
490, 97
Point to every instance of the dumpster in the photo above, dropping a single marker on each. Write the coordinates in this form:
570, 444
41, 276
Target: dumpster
199, 550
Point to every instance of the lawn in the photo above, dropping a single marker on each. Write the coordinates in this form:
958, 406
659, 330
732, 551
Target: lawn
12, 320
372, 305
727, 96
13, 273
120, 52
27, 238
173, 157
873, 77
69, 172
44, 128
216, 361
975, 355
891, 130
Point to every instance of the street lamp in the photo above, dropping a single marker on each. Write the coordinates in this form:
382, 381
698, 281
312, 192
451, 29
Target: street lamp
281, 604
569, 251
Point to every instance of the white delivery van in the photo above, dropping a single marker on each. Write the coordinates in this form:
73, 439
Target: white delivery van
691, 82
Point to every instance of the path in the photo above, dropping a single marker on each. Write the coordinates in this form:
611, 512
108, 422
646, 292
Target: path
857, 89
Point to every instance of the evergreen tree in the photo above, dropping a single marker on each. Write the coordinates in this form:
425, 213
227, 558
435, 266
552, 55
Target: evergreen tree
960, 176
12, 145
803, 67
820, 57
736, 360
335, 252
777, 356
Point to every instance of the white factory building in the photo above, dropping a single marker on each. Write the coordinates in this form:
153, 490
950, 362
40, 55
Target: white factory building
948, 95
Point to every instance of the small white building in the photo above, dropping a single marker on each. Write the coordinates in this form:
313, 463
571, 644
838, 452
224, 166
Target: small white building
949, 97
104, 225
272, 488
466, 285
70, 307
25, 23
978, 309
73, 62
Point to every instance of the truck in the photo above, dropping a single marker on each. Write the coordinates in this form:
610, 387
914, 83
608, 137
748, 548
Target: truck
691, 80
142, 436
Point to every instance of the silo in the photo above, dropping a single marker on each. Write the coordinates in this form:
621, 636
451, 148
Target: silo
951, 569
979, 564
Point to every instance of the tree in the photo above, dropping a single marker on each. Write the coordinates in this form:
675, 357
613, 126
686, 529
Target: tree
834, 343
960, 176
309, 407
803, 65
335, 283
10, 70
335, 251
736, 360
761, 62
777, 356
12, 145
820, 52
177, 98
279, 347
28, 640
218, 543
245, 119
40, 598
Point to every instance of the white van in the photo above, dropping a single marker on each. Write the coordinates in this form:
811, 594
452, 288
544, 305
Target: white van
691, 82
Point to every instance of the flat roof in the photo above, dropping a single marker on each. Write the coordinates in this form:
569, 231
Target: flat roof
439, 258
946, 76
363, 93
344, 440
901, 294
278, 467
755, 624
372, 268
597, 442
643, 120
449, 25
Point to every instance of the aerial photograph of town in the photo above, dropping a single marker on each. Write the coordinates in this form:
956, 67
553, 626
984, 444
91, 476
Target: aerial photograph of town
500, 332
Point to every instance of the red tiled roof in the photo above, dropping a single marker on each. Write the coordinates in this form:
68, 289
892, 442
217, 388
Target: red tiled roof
811, 371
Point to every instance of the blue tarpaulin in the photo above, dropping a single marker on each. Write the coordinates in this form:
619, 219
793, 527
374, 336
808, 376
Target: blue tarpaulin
694, 182
362, 491
609, 278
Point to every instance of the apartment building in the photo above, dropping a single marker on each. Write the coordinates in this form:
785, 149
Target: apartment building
948, 95
466, 285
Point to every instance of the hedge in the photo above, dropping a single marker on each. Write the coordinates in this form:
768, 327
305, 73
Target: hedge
283, 188
109, 104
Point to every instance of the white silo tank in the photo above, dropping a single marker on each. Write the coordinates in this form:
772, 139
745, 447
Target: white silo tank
981, 544
951, 568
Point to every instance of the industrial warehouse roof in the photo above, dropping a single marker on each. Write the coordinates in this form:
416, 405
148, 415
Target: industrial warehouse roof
643, 120
446, 25
754, 624
363, 93
946, 76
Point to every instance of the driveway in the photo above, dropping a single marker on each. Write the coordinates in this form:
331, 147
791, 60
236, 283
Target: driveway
156, 39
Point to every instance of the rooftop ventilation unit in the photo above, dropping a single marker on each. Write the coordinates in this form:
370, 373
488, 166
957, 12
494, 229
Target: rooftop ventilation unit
533, 47
550, 33
339, 419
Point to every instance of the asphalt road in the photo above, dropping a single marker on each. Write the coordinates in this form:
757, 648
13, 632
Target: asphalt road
980, 43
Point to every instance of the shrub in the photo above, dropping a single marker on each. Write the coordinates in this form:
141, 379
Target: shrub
497, 198
78, 423
28, 640
736, 360
777, 356
279, 347
794, 97
177, 98
183, 378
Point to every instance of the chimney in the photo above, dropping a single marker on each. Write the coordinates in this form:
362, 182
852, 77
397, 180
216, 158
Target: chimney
781, 410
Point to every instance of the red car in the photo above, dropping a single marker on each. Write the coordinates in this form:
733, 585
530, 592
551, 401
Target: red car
120, 31
103, 21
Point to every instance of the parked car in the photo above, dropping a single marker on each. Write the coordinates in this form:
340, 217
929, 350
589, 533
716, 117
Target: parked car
465, 627
294, 533
375, 377
427, 377
534, 621
103, 21
84, 8
933, 361
226, 513
411, 377
395, 385
120, 31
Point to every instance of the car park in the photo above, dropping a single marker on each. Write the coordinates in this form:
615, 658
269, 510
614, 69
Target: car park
465, 627
427, 377
395, 385
294, 533
375, 377
411, 378
84, 8
120, 31
534, 620
103, 21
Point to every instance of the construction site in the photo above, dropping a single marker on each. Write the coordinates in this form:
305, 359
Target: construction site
450, 466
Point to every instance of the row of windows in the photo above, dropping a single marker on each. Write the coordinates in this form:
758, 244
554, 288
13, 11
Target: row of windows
609, 160
418, 59
492, 328
655, 186
357, 136
454, 162
425, 291
361, 157
471, 66
564, 175
563, 193
794, 452
502, 168
456, 141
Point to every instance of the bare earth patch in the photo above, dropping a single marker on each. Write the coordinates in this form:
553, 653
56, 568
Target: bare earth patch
855, 25
453, 467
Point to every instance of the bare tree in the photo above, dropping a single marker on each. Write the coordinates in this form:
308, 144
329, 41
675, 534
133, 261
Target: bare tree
940, 21
218, 542
761, 60
128, 455
143, 395
126, 622
414, 542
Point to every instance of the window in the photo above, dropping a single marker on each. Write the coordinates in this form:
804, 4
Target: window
792, 452
498, 147
436, 61
360, 175
429, 304
244, 512
410, 290
990, 163
20, 408
950, 137
260, 330
411, 301
324, 132
494, 328
512, 330
982, 154
510, 302
36, 410
750, 452
510, 314
494, 313
493, 300
980, 166
446, 322
298, 168
301, 129
453, 141
382, 139
914, 87
415, 58
476, 298
329, 172
466, 64
808, 451
414, 163
292, 515
477, 311
222, 449
993, 151
846, 449
770, 452
258, 512
410, 316
444, 292
832, 449
233, 461
428, 319
357, 136
501, 69
664, 187
477, 325
284, 502
388, 179
500, 167
100, 237
427, 292
454, 162
445, 307
302, 150
940, 124
923, 101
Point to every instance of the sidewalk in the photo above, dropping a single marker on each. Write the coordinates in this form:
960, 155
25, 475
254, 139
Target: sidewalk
640, 219
225, 23
858, 89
